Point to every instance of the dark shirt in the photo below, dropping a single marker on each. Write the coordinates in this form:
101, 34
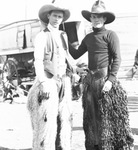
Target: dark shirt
103, 51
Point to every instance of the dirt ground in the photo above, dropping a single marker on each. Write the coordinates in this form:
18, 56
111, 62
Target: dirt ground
15, 126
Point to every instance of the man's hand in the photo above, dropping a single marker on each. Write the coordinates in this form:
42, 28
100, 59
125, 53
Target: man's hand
75, 44
107, 86
48, 86
81, 70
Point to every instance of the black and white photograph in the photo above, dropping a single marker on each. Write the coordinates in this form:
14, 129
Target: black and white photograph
68, 75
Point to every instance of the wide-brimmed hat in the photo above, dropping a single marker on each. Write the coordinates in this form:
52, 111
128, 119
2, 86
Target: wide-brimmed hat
44, 10
99, 8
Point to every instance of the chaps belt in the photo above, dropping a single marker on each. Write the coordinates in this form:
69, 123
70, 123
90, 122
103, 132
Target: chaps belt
99, 73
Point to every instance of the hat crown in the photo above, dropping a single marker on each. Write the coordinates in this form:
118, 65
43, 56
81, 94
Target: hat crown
44, 10
98, 7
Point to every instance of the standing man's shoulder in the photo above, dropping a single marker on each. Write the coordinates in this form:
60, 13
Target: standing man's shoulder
88, 36
111, 33
41, 36
112, 36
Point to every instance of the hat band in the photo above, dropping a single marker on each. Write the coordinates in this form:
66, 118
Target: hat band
97, 10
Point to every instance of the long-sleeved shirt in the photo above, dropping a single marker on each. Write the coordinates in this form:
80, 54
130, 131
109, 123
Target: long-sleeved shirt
46, 44
103, 49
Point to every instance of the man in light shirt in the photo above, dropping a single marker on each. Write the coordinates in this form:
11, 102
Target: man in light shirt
50, 98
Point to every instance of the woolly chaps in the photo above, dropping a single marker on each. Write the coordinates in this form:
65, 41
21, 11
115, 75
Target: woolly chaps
51, 118
108, 118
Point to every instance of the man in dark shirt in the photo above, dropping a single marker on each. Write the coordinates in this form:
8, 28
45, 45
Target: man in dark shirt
104, 60
102, 45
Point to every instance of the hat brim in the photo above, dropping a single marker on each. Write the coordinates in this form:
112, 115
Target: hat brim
44, 10
110, 17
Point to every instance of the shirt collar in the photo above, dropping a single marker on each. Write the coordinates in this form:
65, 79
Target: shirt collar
99, 30
51, 28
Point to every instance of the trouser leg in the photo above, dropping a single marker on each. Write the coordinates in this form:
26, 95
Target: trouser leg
95, 147
64, 134
91, 122
91, 114
43, 117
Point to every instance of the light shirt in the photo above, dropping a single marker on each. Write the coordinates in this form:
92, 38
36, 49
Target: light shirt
39, 53
61, 52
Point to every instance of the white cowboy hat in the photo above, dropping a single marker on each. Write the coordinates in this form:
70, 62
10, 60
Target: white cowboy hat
44, 10
99, 8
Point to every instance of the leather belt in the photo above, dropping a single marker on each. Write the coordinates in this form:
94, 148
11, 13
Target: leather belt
99, 73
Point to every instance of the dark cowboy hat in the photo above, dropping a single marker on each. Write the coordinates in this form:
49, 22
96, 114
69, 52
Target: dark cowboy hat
44, 10
99, 8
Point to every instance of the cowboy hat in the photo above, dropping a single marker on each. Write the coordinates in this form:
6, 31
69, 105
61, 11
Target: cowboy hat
99, 8
44, 10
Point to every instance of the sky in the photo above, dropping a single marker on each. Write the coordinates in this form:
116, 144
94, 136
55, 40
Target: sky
15, 10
